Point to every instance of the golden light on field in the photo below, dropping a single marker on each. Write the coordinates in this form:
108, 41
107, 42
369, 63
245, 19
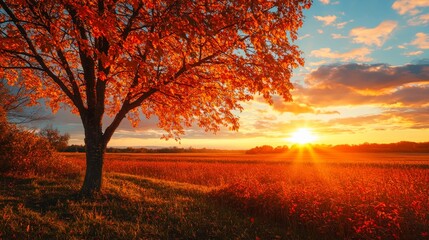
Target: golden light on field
303, 136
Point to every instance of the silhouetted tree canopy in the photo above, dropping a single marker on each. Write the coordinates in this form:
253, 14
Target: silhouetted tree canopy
57, 140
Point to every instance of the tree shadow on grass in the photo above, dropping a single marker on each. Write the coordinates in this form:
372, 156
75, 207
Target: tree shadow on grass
12, 190
186, 211
130, 207
39, 195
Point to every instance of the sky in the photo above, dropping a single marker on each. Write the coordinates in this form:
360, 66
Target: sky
365, 79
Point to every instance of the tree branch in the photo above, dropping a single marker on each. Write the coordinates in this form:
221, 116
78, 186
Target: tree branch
37, 56
63, 60
128, 27
126, 107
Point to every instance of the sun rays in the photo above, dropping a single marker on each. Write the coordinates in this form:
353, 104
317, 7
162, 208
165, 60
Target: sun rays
303, 136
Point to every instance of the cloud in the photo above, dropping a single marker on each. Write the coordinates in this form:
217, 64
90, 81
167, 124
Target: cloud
421, 41
340, 95
337, 36
317, 63
326, 2
322, 96
343, 24
359, 54
408, 96
361, 120
417, 118
373, 36
305, 36
368, 76
423, 61
280, 105
320, 31
415, 53
392, 119
409, 6
296, 108
419, 20
379, 85
327, 20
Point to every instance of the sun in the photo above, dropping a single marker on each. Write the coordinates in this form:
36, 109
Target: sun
303, 136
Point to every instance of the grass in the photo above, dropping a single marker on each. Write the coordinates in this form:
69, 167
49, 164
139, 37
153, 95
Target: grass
130, 207
299, 195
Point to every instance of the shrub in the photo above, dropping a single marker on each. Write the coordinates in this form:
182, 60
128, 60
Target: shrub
23, 152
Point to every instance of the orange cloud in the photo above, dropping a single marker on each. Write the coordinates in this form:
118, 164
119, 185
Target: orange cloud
304, 36
362, 120
325, 96
324, 1
342, 24
337, 36
327, 20
292, 107
421, 41
419, 20
415, 53
417, 118
318, 63
298, 108
409, 6
359, 54
373, 36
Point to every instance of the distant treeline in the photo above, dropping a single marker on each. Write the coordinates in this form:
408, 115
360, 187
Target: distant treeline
267, 149
81, 148
385, 147
365, 147
406, 147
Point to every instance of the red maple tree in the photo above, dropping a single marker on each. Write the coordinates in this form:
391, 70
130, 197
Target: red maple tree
183, 61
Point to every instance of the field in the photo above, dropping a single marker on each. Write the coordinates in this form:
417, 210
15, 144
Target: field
296, 195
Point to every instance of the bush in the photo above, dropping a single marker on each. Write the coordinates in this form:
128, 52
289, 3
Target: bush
23, 152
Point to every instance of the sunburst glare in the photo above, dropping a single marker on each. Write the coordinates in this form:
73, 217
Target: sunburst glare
303, 136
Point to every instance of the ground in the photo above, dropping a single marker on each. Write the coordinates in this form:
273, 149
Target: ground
298, 195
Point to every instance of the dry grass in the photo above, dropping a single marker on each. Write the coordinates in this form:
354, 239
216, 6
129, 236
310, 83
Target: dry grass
130, 207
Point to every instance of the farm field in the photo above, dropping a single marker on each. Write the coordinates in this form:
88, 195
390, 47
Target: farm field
296, 195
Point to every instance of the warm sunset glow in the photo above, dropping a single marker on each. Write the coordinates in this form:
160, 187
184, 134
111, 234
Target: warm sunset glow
303, 136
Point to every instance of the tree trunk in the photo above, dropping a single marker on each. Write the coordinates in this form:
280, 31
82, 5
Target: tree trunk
95, 149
